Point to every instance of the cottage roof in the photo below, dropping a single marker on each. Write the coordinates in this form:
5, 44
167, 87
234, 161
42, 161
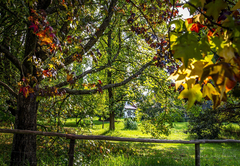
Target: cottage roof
129, 107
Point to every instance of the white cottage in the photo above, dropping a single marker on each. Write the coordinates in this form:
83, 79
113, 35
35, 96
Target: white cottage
129, 111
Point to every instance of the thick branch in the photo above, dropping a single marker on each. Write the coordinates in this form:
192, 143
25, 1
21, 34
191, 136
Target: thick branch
83, 92
8, 88
96, 36
11, 57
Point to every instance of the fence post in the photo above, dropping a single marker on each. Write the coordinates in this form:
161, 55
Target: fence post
197, 154
71, 152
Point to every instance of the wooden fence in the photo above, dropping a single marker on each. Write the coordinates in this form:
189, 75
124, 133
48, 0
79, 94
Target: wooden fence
73, 137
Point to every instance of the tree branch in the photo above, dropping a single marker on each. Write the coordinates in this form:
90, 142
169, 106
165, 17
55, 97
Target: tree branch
8, 88
169, 28
17, 17
145, 18
96, 36
83, 92
93, 70
11, 57
209, 18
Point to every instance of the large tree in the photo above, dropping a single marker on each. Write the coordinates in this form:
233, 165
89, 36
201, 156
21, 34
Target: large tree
42, 42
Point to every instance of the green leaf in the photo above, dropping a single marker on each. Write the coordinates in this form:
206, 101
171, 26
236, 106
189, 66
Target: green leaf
214, 8
196, 3
179, 25
187, 48
217, 43
204, 45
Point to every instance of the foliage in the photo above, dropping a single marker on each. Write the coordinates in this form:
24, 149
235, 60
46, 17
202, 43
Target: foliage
231, 131
130, 124
207, 45
159, 108
205, 125
53, 49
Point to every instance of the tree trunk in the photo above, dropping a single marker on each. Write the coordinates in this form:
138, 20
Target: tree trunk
102, 121
112, 119
110, 90
24, 146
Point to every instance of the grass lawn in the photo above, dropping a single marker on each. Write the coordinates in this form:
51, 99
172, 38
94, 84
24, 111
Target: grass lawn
113, 153
163, 154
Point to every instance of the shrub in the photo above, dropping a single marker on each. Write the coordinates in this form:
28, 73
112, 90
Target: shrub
130, 124
205, 125
231, 131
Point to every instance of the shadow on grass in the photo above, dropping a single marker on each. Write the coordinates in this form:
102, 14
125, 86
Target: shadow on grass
145, 155
95, 122
170, 155
106, 132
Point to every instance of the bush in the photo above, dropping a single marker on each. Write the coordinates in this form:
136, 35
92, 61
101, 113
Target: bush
130, 124
205, 125
231, 131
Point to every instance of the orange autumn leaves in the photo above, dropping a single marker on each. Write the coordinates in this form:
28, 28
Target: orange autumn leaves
196, 27
41, 28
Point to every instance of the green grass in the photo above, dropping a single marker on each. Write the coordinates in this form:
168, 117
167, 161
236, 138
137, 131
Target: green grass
165, 154
113, 153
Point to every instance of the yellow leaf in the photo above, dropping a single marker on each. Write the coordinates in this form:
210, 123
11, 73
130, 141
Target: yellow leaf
228, 54
189, 75
51, 66
209, 91
191, 82
237, 6
218, 72
208, 58
47, 40
199, 18
193, 94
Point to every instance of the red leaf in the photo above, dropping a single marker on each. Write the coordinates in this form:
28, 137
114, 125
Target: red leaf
26, 91
21, 89
196, 27
34, 27
100, 82
210, 33
190, 20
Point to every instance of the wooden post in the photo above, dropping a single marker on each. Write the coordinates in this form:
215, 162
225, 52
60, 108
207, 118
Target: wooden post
71, 152
197, 154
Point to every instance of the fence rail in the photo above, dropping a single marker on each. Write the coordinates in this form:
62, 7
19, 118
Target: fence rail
73, 137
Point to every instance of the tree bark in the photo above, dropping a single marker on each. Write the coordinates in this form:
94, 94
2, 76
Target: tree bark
112, 120
109, 78
110, 106
24, 146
